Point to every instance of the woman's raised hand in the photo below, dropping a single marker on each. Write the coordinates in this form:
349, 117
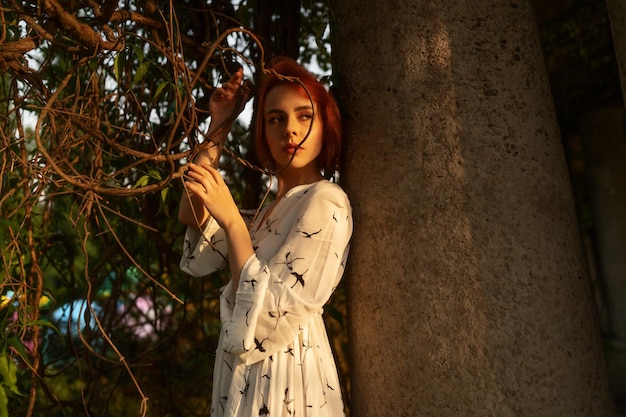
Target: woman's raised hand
208, 185
228, 100
208, 193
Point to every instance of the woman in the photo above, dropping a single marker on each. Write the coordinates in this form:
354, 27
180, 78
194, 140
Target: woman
273, 356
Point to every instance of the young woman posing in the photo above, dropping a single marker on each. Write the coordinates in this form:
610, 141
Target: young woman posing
273, 357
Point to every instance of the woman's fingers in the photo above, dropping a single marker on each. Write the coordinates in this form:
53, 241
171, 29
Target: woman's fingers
207, 183
215, 174
223, 94
234, 83
195, 188
236, 77
205, 175
197, 176
229, 99
229, 86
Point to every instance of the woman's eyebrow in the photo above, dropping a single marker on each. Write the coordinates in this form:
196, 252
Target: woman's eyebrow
299, 108
271, 111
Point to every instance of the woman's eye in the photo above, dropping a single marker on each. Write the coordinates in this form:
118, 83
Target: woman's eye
306, 116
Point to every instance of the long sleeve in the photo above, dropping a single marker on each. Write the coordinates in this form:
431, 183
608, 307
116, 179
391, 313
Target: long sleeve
280, 290
205, 251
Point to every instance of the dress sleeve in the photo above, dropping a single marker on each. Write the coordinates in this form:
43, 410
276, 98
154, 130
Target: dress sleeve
277, 298
204, 251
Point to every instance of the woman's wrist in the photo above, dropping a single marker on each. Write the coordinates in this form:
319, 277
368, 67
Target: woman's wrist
209, 154
219, 127
235, 226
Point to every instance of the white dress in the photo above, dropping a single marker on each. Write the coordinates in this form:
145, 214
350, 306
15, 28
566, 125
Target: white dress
273, 356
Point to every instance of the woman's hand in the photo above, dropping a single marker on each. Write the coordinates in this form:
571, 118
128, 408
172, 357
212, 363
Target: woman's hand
225, 103
228, 100
208, 185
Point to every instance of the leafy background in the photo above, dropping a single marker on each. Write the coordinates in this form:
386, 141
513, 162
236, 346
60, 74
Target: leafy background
102, 103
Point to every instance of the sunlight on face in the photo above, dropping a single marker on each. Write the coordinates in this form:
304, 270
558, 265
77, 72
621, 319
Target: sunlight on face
288, 116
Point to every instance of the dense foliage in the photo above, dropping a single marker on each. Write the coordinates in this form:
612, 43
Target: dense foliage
102, 104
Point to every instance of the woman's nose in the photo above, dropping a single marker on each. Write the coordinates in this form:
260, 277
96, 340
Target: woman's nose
291, 128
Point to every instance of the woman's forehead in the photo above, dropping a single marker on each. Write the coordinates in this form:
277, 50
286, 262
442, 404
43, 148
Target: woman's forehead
286, 92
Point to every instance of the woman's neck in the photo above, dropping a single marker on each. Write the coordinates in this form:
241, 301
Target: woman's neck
289, 180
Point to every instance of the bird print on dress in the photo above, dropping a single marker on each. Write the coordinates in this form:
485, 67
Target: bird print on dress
246, 386
289, 260
251, 282
268, 309
288, 401
277, 314
310, 235
259, 344
268, 225
264, 411
299, 278
189, 249
248, 316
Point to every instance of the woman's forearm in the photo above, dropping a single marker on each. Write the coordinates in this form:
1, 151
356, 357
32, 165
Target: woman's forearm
226, 102
191, 211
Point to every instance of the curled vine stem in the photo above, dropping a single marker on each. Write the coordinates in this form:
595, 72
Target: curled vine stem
90, 142
96, 143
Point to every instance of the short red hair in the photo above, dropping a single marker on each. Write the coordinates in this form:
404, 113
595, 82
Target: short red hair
326, 110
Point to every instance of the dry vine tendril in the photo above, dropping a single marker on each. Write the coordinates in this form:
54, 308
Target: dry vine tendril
85, 122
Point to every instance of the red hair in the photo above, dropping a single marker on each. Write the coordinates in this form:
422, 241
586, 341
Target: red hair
326, 110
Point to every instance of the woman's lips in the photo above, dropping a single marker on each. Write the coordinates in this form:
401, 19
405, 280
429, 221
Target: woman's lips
291, 148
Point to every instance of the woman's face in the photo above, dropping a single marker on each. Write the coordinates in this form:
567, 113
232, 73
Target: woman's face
288, 116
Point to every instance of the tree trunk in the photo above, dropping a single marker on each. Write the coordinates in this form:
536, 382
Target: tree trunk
617, 16
604, 143
468, 294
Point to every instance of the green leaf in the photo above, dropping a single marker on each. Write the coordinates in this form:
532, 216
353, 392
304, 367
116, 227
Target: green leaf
118, 66
155, 174
159, 90
44, 323
141, 71
8, 370
19, 347
4, 403
139, 53
142, 182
